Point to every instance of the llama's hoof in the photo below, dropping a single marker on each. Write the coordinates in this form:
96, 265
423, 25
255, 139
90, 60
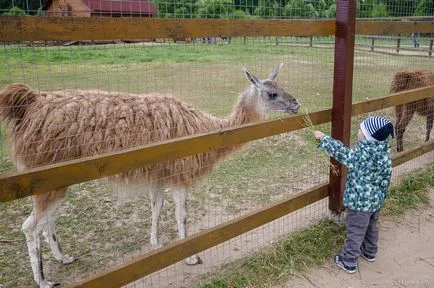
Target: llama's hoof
156, 246
67, 259
193, 260
48, 284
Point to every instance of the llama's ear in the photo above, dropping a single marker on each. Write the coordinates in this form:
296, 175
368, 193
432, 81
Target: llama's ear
252, 78
275, 72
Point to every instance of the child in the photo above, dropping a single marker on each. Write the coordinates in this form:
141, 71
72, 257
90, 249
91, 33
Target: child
369, 172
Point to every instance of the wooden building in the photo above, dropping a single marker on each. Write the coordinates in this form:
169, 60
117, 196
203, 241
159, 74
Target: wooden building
99, 8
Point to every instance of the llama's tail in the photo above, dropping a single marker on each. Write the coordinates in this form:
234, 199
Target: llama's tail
14, 101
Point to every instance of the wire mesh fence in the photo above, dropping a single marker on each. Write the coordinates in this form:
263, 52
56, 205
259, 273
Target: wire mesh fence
103, 223
226, 9
210, 78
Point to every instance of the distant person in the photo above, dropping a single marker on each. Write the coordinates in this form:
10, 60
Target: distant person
415, 39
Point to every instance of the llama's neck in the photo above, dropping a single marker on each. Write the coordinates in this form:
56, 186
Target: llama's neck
247, 110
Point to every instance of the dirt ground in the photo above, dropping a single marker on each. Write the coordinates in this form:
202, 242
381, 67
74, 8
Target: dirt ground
405, 257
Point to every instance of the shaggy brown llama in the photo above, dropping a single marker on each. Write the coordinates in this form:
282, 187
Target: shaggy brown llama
407, 80
51, 127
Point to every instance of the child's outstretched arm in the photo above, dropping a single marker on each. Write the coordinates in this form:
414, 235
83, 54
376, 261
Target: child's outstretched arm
335, 148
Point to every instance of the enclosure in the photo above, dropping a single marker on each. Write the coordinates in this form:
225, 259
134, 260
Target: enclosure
338, 62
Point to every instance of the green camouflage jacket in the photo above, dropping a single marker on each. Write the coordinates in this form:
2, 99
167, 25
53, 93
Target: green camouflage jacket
369, 172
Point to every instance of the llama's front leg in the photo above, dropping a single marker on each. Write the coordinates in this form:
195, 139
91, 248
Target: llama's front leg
32, 228
157, 199
180, 197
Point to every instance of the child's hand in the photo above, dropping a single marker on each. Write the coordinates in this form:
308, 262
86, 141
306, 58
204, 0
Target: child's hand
318, 134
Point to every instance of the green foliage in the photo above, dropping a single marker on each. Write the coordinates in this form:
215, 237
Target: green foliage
424, 7
15, 11
300, 8
240, 14
380, 10
13, 7
214, 8
268, 9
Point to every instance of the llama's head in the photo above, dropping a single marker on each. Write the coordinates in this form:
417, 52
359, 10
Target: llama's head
272, 96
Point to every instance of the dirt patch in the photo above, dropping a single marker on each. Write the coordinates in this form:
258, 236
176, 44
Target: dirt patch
405, 257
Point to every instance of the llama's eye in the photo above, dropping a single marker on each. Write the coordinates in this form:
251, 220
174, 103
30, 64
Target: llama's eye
272, 96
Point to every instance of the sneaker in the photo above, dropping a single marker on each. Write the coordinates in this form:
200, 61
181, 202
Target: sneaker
341, 264
366, 257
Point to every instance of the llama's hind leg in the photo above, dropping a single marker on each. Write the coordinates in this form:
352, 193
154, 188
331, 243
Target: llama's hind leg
157, 199
429, 124
32, 228
180, 197
407, 115
51, 237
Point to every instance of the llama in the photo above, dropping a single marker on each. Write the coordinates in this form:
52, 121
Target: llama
406, 80
61, 125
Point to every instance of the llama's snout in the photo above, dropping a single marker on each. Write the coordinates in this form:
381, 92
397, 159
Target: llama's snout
294, 107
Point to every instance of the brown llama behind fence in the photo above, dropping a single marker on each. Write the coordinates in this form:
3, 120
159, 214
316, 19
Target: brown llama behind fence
407, 80
51, 127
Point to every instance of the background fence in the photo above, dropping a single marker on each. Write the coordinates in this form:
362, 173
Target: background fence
203, 67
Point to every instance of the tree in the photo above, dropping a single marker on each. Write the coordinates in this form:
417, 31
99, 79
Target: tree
15, 11
364, 8
214, 8
379, 10
29, 7
241, 14
248, 6
300, 9
326, 9
269, 9
399, 8
176, 9
424, 8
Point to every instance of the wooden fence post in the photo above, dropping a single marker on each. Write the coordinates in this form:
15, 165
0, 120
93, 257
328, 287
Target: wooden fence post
398, 43
430, 46
342, 93
311, 41
372, 44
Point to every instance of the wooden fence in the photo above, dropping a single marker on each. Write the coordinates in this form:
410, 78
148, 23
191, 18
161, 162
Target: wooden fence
395, 44
39, 180
398, 47
47, 178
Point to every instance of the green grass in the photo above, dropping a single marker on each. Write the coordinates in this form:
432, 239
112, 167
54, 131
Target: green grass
314, 245
411, 192
139, 53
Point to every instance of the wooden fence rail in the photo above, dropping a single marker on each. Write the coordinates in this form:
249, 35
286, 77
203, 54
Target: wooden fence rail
47, 178
179, 250
105, 28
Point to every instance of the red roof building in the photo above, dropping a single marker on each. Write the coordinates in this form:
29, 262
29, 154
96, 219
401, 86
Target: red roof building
104, 8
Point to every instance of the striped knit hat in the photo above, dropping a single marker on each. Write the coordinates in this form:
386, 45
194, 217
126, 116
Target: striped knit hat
377, 128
